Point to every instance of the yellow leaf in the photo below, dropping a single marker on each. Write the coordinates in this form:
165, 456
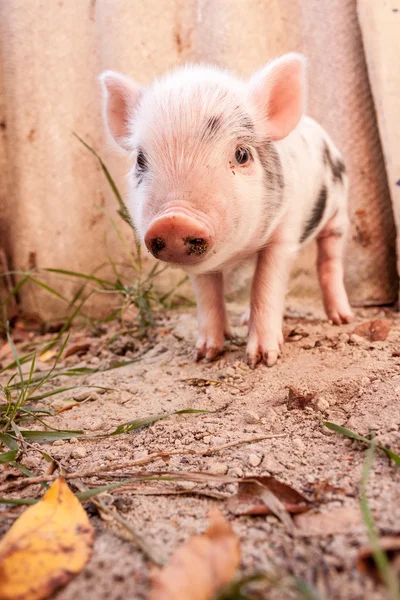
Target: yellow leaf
48, 355
46, 546
201, 567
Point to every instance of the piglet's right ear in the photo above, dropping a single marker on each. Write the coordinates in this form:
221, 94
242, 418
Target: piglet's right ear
121, 96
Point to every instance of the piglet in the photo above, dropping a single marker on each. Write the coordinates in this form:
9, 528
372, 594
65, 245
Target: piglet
223, 169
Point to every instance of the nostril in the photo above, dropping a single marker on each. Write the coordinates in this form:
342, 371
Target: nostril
197, 246
156, 245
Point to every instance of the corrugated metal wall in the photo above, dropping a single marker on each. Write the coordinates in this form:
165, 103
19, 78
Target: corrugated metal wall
52, 191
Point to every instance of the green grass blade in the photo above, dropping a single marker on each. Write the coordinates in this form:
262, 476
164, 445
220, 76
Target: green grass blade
380, 557
9, 441
145, 421
346, 432
7, 457
50, 436
356, 436
307, 592
19, 501
98, 280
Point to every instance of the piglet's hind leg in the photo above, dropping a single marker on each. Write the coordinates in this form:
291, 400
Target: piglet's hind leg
330, 270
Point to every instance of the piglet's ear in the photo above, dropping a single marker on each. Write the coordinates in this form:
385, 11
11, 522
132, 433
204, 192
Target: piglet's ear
121, 96
279, 93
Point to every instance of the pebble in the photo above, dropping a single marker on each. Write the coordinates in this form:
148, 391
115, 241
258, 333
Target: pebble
187, 485
218, 468
57, 404
82, 395
365, 381
59, 443
96, 425
79, 452
340, 346
251, 417
93, 396
236, 472
357, 340
254, 460
272, 465
74, 440
322, 404
298, 443
344, 337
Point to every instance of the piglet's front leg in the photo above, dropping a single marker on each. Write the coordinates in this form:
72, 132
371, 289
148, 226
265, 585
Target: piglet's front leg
211, 315
267, 303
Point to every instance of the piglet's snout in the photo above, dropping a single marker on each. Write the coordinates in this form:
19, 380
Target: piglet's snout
178, 238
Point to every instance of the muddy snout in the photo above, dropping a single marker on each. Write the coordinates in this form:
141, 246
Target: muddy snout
178, 238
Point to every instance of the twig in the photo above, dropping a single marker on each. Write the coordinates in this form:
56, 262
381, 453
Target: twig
16, 485
112, 512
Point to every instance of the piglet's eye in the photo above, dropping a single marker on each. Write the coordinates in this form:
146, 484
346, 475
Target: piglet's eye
242, 156
141, 161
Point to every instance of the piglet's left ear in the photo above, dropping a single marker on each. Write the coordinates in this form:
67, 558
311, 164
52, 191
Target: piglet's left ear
278, 91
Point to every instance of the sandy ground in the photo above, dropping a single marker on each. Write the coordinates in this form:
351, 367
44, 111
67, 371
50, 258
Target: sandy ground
350, 381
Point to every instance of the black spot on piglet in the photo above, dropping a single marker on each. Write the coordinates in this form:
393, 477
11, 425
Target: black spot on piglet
336, 165
316, 215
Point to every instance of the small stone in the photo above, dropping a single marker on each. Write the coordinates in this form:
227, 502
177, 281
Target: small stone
251, 417
109, 455
95, 360
230, 372
78, 452
298, 443
322, 404
357, 340
231, 488
365, 381
340, 346
74, 440
82, 395
218, 468
187, 485
96, 425
272, 465
254, 460
57, 404
93, 396
344, 337
59, 443
236, 472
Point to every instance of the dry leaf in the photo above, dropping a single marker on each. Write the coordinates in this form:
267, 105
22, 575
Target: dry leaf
374, 331
81, 346
48, 544
330, 523
202, 566
48, 355
366, 563
251, 499
298, 399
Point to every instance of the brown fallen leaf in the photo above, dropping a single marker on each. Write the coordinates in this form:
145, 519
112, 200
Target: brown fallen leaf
374, 331
250, 499
366, 563
46, 546
80, 346
298, 399
201, 567
330, 523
